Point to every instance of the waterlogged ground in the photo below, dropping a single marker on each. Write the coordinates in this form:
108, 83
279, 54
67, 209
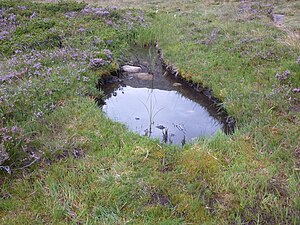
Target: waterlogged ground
62, 161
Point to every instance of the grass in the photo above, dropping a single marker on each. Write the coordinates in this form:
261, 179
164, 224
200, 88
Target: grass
70, 164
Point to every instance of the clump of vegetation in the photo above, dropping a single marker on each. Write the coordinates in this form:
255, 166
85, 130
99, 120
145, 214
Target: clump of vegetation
68, 163
53, 53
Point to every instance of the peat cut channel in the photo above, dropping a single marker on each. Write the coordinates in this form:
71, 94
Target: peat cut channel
154, 103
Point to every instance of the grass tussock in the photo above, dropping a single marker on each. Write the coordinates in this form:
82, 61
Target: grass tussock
292, 39
63, 162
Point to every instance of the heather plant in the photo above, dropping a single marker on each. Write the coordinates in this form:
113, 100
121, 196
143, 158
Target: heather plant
15, 148
46, 60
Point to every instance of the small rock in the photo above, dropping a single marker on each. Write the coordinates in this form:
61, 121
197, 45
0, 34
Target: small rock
131, 69
177, 84
142, 76
278, 19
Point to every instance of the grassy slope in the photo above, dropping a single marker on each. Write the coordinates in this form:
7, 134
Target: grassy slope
114, 176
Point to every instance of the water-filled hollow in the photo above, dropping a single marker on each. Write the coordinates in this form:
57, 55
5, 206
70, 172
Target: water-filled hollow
151, 101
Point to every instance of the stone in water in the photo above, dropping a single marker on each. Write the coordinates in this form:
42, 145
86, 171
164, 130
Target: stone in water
131, 69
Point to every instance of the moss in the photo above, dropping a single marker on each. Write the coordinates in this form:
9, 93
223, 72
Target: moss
198, 164
190, 208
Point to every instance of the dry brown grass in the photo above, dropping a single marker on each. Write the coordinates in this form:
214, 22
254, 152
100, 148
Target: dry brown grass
292, 39
168, 5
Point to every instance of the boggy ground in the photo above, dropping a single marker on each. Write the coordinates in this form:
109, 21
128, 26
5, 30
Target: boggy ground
70, 164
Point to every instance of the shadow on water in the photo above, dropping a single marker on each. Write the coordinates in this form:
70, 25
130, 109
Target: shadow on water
153, 102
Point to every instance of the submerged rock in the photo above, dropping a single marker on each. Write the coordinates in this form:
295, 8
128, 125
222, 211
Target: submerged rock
177, 84
142, 76
131, 69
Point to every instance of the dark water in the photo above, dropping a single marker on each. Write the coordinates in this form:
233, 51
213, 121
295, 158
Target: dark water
161, 106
